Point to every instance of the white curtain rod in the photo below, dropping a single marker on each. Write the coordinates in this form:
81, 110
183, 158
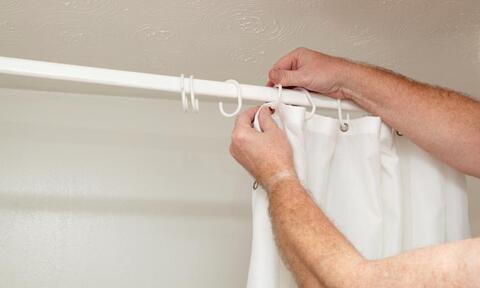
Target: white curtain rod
204, 88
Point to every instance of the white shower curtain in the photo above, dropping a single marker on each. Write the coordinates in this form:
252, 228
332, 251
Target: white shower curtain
382, 192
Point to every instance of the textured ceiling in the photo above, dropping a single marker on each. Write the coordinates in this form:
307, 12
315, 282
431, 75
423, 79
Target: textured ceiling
435, 41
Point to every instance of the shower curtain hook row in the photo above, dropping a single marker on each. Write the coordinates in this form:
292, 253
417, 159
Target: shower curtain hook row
182, 91
193, 100
344, 125
239, 100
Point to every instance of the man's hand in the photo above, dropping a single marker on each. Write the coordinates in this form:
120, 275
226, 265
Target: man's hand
443, 122
312, 70
263, 154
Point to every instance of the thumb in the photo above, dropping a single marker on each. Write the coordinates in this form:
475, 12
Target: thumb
266, 120
284, 77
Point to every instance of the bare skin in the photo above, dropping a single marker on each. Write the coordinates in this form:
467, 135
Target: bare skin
443, 122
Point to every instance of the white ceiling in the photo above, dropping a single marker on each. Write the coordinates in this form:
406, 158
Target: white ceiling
435, 41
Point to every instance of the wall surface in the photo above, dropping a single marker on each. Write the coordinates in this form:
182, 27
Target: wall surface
117, 191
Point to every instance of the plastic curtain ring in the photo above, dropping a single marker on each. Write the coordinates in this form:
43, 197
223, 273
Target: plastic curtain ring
272, 104
344, 125
310, 100
239, 100
280, 94
182, 90
193, 100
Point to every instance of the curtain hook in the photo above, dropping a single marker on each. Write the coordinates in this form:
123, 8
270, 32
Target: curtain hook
344, 125
193, 100
239, 100
280, 94
182, 90
272, 104
310, 100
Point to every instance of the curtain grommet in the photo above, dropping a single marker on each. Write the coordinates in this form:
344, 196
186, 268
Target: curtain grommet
344, 127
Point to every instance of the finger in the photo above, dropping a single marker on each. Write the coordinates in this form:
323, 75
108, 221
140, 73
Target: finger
285, 77
287, 62
266, 120
245, 119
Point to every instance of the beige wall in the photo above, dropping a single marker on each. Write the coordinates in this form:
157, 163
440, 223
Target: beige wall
114, 191
107, 191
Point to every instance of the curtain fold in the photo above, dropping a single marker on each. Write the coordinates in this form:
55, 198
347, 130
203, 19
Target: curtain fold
381, 191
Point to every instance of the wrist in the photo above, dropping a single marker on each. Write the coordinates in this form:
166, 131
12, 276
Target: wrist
349, 75
276, 180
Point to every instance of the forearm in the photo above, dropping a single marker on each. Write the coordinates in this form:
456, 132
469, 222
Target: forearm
450, 265
304, 233
301, 272
310, 242
443, 122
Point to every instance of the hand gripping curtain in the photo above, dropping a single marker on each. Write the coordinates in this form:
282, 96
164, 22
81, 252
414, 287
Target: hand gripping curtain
385, 194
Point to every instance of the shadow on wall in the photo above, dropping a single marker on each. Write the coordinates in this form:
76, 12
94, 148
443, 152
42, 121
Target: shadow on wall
473, 185
125, 206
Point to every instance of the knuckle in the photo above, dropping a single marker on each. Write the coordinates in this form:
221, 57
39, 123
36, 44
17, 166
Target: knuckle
238, 137
283, 78
301, 50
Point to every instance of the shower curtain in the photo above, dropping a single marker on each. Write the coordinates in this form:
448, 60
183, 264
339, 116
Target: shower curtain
381, 191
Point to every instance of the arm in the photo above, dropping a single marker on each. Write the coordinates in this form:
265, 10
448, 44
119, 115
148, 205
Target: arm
302, 229
313, 249
246, 145
443, 122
